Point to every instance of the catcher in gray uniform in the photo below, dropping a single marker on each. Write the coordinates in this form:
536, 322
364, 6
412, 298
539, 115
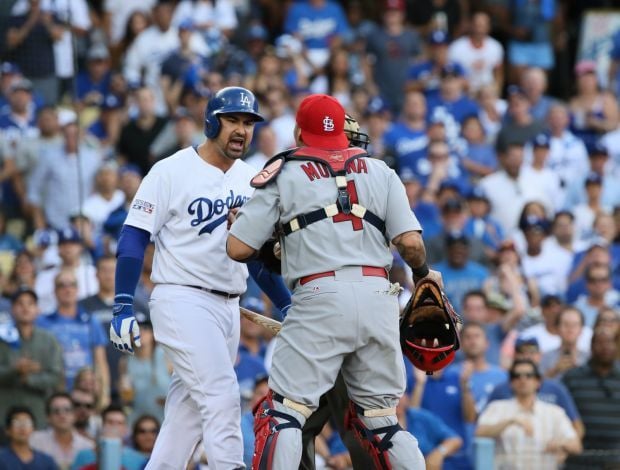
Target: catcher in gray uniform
337, 211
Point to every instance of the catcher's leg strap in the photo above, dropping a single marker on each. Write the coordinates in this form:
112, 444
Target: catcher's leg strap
369, 438
268, 422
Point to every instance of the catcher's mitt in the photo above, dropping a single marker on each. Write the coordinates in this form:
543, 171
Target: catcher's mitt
428, 328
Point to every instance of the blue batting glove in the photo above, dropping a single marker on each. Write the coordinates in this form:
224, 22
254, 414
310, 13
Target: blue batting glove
124, 326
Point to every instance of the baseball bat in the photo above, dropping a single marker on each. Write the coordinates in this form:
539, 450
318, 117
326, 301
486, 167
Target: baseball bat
272, 325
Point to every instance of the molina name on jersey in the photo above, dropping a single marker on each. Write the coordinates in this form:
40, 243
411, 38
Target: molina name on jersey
184, 202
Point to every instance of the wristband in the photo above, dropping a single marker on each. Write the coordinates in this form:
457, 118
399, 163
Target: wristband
420, 271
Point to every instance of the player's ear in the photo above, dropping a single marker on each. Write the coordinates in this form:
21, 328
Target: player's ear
297, 134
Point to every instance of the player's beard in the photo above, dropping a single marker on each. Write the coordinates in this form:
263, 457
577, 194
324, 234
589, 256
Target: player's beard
234, 147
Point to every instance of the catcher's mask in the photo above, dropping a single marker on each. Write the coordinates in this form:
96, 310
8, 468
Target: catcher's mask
428, 332
354, 133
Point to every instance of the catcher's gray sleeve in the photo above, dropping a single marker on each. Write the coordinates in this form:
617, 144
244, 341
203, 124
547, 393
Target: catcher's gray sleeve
399, 217
257, 218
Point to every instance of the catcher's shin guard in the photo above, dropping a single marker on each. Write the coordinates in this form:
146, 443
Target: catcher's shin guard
369, 439
266, 431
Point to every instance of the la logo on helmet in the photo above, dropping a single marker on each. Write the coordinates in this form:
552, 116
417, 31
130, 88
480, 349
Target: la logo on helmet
328, 124
245, 99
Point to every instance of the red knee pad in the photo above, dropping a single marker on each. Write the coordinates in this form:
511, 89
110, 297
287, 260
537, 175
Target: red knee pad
266, 431
368, 438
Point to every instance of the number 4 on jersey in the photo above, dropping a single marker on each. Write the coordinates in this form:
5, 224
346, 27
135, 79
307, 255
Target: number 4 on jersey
355, 221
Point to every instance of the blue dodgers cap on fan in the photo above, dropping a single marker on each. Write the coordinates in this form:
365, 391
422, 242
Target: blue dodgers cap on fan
477, 193
534, 222
253, 303
438, 37
9, 68
593, 178
529, 341
69, 235
541, 140
130, 168
257, 32
376, 105
597, 148
186, 25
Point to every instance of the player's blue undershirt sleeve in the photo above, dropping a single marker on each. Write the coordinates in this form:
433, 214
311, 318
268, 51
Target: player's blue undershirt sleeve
130, 256
271, 284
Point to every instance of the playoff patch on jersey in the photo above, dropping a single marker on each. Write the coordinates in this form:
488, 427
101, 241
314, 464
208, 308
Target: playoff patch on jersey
143, 206
268, 173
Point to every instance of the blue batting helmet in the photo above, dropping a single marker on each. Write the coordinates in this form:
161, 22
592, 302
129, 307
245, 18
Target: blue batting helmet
227, 101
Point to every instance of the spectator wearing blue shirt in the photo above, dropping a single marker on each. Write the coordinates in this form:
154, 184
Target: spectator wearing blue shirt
425, 76
80, 335
480, 225
435, 439
406, 139
479, 156
460, 274
550, 391
247, 369
425, 211
614, 69
113, 426
19, 425
93, 84
320, 25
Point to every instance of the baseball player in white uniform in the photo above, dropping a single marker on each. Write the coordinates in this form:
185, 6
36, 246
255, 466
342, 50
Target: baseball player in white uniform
182, 205
336, 210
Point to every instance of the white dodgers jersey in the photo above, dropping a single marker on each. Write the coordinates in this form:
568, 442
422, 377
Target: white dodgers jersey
184, 203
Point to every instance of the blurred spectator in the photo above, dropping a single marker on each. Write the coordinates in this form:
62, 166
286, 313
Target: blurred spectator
586, 212
460, 273
320, 25
107, 197
281, 119
609, 319
60, 439
266, 148
479, 54
8, 242
107, 127
447, 395
541, 175
392, 46
119, 16
549, 390
208, 16
563, 231
406, 139
593, 110
138, 134
598, 253
251, 339
19, 424
31, 369
86, 380
479, 158
546, 332
93, 84
73, 19
62, 178
181, 68
492, 111
30, 44
568, 157
451, 106
336, 81
144, 433
425, 76
599, 164
377, 119
570, 326
446, 15
113, 426
130, 178
544, 262
435, 439
144, 377
520, 127
534, 85
182, 132
529, 433
426, 212
248, 368
594, 387
23, 274
477, 308
139, 19
599, 292
441, 168
480, 225
478, 374
508, 189
87, 423
70, 250
80, 335
9, 73
453, 219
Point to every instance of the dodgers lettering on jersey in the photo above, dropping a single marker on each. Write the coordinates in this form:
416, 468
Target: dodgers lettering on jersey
184, 203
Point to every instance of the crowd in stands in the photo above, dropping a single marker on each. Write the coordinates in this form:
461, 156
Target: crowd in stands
508, 146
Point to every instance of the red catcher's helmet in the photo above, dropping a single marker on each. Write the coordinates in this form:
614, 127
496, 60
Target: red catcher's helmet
428, 328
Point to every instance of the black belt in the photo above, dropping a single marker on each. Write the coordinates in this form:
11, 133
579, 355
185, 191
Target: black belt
217, 292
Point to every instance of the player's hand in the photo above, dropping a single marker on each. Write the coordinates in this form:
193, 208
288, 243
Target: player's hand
124, 326
277, 250
232, 215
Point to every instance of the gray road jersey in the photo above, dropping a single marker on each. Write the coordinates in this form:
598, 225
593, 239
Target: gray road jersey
329, 244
